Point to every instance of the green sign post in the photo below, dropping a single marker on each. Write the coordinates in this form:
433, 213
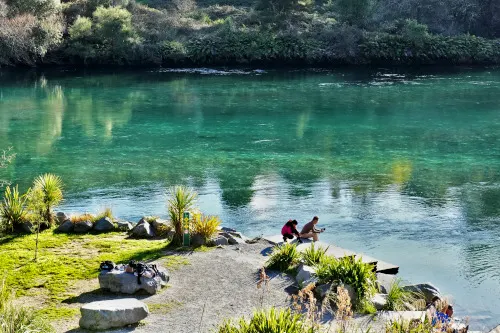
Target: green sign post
187, 236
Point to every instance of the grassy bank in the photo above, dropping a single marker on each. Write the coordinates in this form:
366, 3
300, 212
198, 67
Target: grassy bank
52, 281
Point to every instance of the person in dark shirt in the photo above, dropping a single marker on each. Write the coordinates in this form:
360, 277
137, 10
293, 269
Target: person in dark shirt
310, 231
290, 229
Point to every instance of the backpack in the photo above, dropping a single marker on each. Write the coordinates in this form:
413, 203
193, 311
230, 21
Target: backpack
107, 266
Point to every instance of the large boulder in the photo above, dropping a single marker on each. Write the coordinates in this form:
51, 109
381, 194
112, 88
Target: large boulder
197, 240
142, 230
104, 315
385, 281
305, 274
427, 290
379, 301
159, 223
28, 227
82, 227
104, 224
61, 218
124, 226
322, 290
220, 241
127, 283
66, 227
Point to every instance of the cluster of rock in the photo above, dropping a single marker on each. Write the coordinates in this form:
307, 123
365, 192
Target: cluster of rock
122, 282
104, 224
226, 236
148, 227
306, 275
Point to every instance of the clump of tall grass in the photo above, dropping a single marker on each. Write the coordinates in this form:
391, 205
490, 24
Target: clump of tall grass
82, 218
205, 226
12, 209
347, 270
283, 257
272, 321
107, 212
399, 299
18, 319
414, 326
181, 199
313, 256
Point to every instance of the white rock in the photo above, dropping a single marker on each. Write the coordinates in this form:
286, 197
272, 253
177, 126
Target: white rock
127, 283
143, 230
116, 313
305, 273
379, 301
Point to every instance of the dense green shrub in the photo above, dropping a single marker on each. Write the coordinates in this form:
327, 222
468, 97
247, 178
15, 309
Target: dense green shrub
205, 226
313, 255
283, 257
350, 271
12, 209
399, 299
272, 321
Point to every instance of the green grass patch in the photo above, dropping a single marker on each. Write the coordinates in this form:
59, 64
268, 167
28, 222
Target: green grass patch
163, 308
64, 259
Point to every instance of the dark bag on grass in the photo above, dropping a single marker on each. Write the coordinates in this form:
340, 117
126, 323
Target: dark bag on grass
107, 266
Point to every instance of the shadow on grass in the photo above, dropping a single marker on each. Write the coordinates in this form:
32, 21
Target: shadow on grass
103, 295
129, 328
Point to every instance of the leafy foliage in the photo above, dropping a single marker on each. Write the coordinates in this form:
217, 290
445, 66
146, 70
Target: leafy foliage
46, 193
350, 271
313, 256
16, 319
283, 257
271, 321
205, 226
12, 209
399, 299
181, 199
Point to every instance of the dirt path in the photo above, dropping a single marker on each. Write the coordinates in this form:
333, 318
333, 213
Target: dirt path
216, 285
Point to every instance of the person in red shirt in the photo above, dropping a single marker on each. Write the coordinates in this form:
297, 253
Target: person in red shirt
290, 229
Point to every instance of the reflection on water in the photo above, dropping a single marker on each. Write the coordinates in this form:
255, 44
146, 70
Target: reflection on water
404, 166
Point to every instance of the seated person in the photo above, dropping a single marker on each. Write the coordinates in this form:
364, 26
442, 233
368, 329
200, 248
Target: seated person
310, 231
290, 229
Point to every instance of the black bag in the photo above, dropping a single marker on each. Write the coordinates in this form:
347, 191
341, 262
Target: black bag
107, 266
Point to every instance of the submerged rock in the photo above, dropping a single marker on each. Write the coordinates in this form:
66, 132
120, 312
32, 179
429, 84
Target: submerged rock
103, 315
66, 227
104, 224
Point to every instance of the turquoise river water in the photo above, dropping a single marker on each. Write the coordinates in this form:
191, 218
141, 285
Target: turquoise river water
402, 166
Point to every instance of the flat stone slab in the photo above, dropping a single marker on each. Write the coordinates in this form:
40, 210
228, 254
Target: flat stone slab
338, 252
103, 315
398, 316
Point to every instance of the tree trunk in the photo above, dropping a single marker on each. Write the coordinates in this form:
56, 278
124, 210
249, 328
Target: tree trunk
36, 246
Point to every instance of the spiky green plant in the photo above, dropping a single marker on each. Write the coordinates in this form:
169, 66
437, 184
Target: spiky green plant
205, 226
406, 326
107, 212
181, 199
283, 257
47, 189
313, 255
16, 319
272, 321
399, 299
350, 271
12, 209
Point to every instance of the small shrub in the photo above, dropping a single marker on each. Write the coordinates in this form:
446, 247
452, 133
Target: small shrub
181, 199
205, 226
151, 219
399, 299
347, 270
271, 321
46, 193
313, 256
107, 212
15, 319
162, 230
12, 209
405, 326
283, 257
82, 218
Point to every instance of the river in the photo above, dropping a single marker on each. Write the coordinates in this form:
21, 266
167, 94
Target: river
404, 166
